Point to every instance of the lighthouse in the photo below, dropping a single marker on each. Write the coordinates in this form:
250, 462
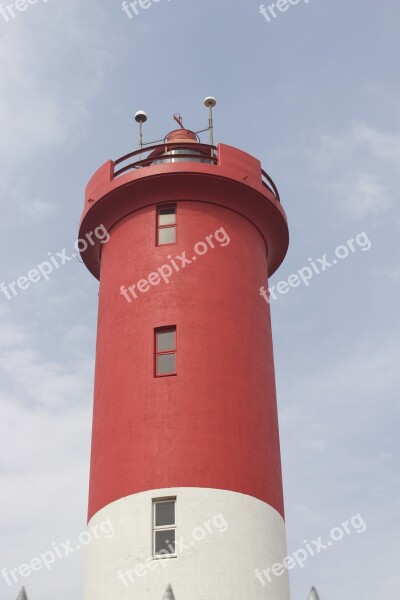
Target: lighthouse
185, 458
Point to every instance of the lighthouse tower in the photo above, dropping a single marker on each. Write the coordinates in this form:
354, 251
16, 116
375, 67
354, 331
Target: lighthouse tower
185, 457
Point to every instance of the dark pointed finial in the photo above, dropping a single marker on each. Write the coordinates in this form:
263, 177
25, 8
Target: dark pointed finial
22, 595
169, 594
313, 594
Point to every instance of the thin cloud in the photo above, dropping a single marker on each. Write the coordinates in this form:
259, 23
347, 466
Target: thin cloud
353, 166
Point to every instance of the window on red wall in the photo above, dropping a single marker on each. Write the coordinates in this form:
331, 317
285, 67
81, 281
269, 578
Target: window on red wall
165, 351
166, 225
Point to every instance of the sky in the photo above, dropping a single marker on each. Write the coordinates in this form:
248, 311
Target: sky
314, 94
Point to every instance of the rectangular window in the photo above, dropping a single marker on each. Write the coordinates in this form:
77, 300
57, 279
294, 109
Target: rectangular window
166, 225
164, 527
165, 351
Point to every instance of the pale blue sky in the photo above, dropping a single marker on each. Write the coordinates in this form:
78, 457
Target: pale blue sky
314, 94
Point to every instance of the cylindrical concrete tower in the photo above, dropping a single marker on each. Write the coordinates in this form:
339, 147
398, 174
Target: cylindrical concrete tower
185, 450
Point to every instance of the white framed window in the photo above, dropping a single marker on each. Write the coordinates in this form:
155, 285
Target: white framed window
164, 527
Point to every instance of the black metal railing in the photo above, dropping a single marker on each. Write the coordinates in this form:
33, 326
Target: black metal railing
268, 183
168, 153
179, 152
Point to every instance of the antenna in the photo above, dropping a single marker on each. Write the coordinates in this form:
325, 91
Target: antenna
140, 118
210, 102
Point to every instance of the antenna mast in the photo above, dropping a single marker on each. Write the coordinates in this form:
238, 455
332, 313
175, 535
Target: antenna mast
140, 118
210, 102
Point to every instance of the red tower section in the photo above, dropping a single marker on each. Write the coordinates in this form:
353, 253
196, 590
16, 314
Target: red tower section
211, 422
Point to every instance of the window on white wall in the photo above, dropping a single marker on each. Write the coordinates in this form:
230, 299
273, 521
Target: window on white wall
164, 527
